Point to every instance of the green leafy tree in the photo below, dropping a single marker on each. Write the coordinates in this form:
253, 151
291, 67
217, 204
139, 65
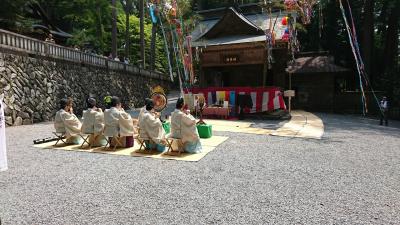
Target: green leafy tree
134, 35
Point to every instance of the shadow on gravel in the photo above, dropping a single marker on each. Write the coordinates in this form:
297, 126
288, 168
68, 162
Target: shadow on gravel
366, 126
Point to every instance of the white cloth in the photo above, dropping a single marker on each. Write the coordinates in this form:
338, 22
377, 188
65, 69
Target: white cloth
151, 127
92, 121
384, 105
183, 126
117, 122
67, 123
125, 125
3, 151
141, 112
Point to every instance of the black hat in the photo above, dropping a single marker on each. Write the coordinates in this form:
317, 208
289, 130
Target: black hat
149, 104
180, 102
91, 102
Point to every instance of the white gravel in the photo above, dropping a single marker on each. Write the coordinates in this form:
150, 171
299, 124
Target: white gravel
352, 176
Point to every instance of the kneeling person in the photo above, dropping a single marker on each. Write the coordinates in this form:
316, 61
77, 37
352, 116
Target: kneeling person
67, 123
183, 126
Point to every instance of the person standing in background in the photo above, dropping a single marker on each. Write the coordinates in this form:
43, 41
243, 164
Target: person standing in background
3, 153
384, 105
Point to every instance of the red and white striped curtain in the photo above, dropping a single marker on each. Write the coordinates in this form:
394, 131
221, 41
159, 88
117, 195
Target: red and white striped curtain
264, 99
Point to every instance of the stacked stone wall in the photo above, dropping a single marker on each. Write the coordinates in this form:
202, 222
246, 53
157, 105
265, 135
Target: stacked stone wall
32, 87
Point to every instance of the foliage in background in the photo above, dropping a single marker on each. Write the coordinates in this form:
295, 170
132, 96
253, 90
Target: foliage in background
90, 23
161, 61
384, 70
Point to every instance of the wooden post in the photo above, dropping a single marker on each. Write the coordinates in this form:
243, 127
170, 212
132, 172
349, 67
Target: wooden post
265, 69
290, 88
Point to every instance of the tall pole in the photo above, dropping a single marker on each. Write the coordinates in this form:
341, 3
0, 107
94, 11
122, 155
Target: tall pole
142, 43
114, 29
290, 88
153, 46
128, 9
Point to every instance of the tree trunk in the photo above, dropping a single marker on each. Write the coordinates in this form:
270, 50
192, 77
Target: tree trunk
367, 39
114, 29
392, 39
99, 28
127, 36
200, 5
142, 42
382, 19
153, 46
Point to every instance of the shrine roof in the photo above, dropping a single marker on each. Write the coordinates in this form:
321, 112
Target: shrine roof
234, 28
315, 64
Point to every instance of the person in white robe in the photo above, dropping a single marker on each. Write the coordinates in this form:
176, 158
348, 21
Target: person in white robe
66, 122
93, 123
117, 121
3, 150
183, 126
150, 127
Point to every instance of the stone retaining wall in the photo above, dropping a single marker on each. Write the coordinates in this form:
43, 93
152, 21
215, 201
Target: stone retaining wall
31, 87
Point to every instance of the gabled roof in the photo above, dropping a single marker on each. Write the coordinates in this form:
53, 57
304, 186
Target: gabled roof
232, 23
316, 64
260, 21
253, 8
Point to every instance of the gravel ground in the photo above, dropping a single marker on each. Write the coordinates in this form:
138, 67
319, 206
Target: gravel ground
351, 176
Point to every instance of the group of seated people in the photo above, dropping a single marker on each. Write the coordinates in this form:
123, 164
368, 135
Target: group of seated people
115, 122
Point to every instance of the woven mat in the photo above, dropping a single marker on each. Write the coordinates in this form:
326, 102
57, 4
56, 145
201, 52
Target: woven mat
301, 125
208, 146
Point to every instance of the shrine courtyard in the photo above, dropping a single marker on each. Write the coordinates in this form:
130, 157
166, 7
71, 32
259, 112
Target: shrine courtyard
349, 176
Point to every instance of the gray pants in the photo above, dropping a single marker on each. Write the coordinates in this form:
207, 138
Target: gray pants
384, 117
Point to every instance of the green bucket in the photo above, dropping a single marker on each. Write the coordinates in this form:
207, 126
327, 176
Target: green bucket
167, 127
205, 130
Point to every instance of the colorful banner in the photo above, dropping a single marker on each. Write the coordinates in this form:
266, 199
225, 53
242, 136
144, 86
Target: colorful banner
264, 99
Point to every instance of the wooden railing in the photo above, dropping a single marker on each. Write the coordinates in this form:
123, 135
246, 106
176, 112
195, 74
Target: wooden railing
17, 42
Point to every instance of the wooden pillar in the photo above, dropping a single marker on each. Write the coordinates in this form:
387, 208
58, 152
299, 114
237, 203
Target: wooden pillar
265, 69
201, 77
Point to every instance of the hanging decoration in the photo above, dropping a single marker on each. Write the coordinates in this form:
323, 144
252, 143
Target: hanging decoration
270, 37
363, 77
180, 42
303, 6
290, 4
284, 20
190, 58
293, 40
270, 41
155, 15
285, 37
153, 12
166, 8
167, 51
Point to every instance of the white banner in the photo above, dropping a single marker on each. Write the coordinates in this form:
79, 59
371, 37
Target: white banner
3, 153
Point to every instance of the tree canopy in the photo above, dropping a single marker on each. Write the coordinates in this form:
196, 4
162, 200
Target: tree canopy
90, 21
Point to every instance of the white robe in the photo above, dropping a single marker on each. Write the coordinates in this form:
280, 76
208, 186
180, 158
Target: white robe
67, 123
141, 112
126, 127
151, 127
183, 126
117, 122
92, 122
3, 153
